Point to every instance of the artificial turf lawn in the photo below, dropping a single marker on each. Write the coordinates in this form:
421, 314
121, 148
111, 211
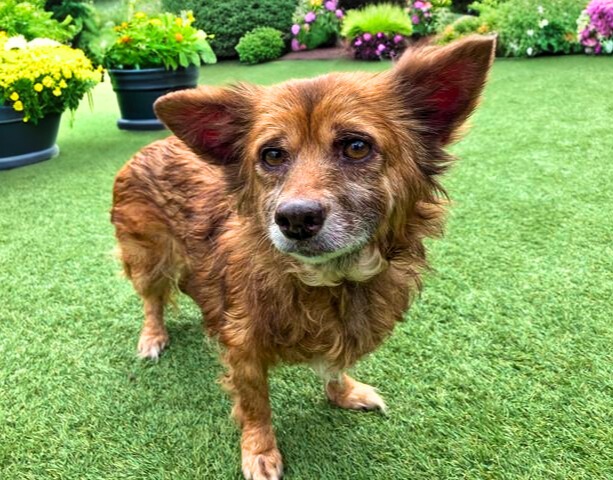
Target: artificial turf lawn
504, 368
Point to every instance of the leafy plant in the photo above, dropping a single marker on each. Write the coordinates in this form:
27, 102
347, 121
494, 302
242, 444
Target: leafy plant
32, 21
260, 45
465, 25
43, 76
229, 20
165, 40
316, 23
384, 18
595, 27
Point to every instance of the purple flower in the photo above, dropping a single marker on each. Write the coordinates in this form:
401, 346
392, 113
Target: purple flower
310, 17
367, 37
418, 5
295, 45
380, 48
398, 38
295, 29
415, 19
379, 35
339, 13
330, 5
358, 42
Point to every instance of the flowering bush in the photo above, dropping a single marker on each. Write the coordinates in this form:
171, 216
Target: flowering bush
316, 23
377, 31
166, 40
42, 76
465, 25
423, 15
32, 21
596, 27
528, 28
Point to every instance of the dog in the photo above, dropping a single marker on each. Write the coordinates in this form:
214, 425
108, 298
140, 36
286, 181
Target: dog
294, 216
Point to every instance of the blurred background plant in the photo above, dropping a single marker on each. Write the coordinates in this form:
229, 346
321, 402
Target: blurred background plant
260, 45
377, 31
229, 20
423, 15
595, 27
32, 21
316, 24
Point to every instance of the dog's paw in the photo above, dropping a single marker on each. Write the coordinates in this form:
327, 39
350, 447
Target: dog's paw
262, 466
355, 396
151, 345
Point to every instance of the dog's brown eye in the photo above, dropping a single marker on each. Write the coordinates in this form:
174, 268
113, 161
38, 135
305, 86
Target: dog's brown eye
356, 149
273, 157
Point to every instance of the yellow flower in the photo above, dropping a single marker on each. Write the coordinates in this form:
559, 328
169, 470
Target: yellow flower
26, 119
483, 28
48, 81
57, 92
190, 16
316, 3
178, 22
18, 106
140, 15
156, 22
63, 84
14, 96
178, 37
38, 87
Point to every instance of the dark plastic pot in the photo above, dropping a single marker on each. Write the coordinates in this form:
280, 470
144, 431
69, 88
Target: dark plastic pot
136, 91
23, 143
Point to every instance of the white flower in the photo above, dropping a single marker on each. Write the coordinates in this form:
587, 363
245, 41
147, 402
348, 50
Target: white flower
16, 42
540, 9
543, 23
43, 42
530, 51
530, 33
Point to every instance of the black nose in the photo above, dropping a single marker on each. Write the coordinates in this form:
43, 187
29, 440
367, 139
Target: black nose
300, 219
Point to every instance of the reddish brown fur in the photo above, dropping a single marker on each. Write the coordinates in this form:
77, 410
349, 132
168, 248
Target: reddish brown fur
192, 212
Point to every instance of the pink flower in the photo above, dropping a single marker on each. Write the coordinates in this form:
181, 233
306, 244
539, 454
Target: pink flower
295, 29
418, 5
415, 19
367, 36
398, 38
358, 42
310, 17
380, 48
339, 13
330, 5
295, 45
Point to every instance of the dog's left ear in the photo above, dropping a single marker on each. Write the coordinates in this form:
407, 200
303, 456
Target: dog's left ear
440, 86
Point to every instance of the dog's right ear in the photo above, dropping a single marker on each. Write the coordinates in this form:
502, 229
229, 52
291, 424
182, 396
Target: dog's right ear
212, 121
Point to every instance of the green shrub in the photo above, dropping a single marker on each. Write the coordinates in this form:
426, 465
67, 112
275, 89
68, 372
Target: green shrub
229, 20
32, 21
528, 28
385, 18
260, 45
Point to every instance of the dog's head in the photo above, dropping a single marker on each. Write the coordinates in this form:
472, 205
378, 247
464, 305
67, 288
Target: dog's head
325, 165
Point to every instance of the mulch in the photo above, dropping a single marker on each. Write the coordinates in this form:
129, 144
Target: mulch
331, 53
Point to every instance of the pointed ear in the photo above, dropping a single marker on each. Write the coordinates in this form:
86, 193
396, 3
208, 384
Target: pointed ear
211, 121
440, 86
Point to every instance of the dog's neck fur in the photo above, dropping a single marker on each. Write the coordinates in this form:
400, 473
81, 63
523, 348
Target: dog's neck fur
359, 266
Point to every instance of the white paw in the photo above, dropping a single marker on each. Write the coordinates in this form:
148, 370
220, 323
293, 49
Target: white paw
151, 345
357, 396
262, 466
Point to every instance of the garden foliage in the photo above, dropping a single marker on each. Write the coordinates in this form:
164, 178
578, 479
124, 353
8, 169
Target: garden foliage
32, 21
423, 15
596, 27
229, 20
43, 76
260, 45
165, 40
377, 31
316, 24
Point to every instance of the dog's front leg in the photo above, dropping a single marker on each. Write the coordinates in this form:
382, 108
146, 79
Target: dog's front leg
248, 383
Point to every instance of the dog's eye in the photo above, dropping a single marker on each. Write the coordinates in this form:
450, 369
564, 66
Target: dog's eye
356, 149
273, 157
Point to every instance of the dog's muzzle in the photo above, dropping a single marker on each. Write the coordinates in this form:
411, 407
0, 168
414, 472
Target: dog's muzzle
300, 219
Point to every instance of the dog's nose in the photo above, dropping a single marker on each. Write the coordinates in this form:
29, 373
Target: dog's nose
300, 219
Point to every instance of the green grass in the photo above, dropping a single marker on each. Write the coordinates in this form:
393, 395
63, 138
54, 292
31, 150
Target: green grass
503, 370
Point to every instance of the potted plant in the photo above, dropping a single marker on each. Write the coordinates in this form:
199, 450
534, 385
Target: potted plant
39, 80
151, 56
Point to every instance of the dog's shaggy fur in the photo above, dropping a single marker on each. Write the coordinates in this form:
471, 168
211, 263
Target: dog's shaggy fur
198, 212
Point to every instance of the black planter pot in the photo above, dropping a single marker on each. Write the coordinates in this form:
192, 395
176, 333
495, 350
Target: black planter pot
23, 143
136, 91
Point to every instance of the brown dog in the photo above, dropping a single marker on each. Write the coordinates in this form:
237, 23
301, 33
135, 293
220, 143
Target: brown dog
294, 216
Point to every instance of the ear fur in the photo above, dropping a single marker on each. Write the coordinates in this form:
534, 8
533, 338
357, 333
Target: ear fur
440, 86
210, 120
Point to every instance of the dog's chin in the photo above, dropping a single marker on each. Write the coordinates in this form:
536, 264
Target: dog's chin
315, 251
